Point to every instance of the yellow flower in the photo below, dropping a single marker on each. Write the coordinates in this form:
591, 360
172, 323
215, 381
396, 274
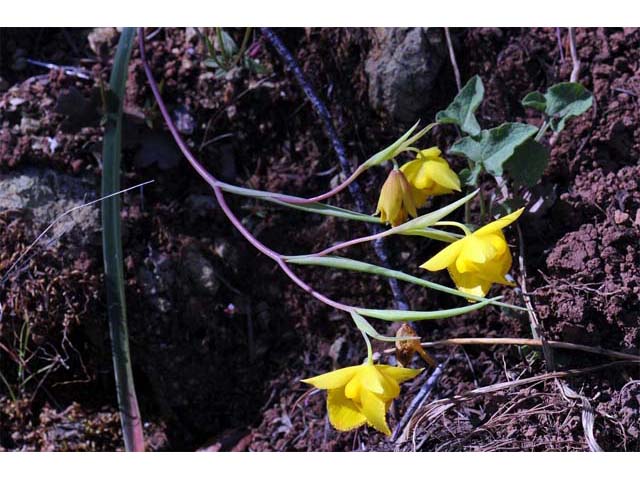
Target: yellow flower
430, 175
362, 394
396, 200
478, 260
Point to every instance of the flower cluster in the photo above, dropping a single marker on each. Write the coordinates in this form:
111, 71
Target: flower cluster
408, 188
362, 394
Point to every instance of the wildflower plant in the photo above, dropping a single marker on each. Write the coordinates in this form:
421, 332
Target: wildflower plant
476, 259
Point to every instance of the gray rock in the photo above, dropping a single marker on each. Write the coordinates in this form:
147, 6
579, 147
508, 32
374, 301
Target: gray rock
402, 67
200, 272
44, 195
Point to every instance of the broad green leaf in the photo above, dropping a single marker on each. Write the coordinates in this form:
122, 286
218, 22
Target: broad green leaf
495, 146
358, 266
367, 328
528, 162
535, 100
461, 111
566, 100
412, 315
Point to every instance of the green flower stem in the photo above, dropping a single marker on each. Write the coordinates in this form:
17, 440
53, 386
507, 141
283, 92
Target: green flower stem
112, 250
461, 226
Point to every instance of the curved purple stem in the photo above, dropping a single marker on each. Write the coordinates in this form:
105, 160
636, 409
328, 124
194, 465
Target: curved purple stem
322, 112
214, 183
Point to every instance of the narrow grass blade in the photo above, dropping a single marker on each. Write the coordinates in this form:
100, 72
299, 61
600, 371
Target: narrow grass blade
112, 249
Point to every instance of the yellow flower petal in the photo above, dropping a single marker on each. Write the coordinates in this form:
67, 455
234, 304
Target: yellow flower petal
469, 282
499, 224
416, 174
353, 388
335, 379
374, 409
496, 270
433, 153
443, 175
371, 379
399, 374
344, 414
445, 257
475, 253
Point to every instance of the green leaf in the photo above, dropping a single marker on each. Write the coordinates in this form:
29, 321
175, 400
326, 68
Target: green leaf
227, 45
367, 328
528, 162
389, 152
469, 176
461, 110
429, 219
358, 266
495, 146
413, 315
319, 208
535, 100
566, 100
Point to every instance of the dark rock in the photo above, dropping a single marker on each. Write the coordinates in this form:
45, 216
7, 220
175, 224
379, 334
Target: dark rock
402, 68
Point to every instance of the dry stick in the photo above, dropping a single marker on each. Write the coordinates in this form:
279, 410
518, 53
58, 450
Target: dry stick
452, 57
324, 115
575, 71
439, 407
536, 327
418, 399
528, 342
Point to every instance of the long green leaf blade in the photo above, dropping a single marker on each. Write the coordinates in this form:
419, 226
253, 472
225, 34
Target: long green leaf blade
112, 248
414, 316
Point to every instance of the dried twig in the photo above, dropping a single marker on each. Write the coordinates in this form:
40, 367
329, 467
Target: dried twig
575, 72
529, 342
536, 327
437, 408
418, 400
452, 56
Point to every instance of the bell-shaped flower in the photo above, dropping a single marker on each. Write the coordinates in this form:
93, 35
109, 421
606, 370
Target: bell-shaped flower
362, 394
429, 174
396, 200
478, 260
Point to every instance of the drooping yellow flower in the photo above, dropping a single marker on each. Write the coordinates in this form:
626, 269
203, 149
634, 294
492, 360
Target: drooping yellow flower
396, 200
429, 174
362, 394
478, 260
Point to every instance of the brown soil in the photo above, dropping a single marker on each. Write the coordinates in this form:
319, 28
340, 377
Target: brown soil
221, 370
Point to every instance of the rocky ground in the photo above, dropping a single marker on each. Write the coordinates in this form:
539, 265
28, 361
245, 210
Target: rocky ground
219, 337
